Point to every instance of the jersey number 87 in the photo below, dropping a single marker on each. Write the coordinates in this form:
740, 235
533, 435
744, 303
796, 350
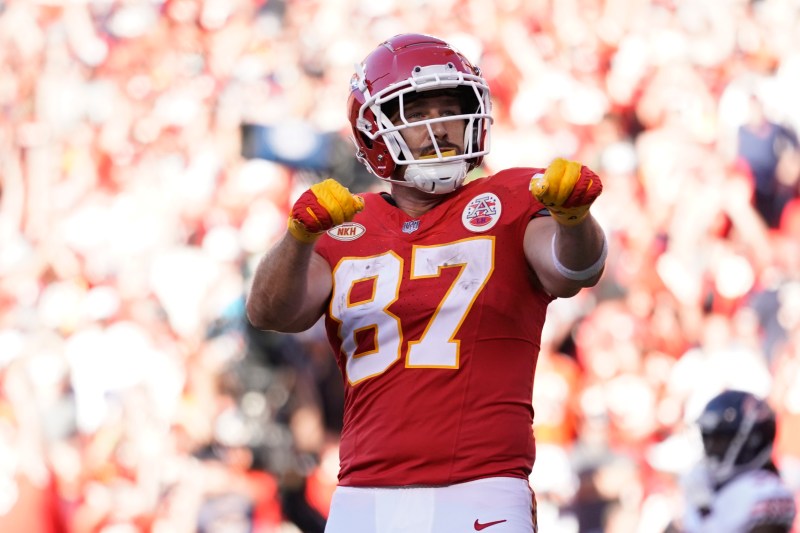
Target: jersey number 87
437, 347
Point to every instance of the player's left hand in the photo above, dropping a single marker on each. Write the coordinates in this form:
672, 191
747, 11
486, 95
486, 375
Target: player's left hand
567, 189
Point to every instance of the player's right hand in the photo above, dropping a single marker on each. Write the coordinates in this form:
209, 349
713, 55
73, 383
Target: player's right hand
322, 207
567, 189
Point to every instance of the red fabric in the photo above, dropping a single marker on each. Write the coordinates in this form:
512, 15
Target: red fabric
437, 425
586, 189
300, 212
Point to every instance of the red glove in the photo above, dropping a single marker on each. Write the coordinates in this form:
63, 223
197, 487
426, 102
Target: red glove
320, 208
567, 189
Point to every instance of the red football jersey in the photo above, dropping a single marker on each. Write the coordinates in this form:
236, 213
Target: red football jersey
436, 323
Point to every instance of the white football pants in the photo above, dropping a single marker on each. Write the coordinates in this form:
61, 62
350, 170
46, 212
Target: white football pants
492, 505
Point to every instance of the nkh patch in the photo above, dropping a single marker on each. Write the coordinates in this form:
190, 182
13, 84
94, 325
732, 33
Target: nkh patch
482, 212
411, 226
349, 231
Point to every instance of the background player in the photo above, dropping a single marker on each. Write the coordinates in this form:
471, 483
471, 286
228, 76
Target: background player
737, 487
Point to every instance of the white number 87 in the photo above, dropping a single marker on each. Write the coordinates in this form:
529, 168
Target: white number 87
437, 347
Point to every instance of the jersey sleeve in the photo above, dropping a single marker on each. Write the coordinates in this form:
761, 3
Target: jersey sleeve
519, 179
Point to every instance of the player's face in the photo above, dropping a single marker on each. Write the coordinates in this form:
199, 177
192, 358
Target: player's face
449, 134
716, 445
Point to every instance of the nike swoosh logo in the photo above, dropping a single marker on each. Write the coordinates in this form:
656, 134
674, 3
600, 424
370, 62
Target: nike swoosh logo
480, 527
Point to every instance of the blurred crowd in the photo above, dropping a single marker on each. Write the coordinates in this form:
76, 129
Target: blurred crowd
133, 206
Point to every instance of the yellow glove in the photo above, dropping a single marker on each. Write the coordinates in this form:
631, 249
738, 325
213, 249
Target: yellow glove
567, 189
320, 208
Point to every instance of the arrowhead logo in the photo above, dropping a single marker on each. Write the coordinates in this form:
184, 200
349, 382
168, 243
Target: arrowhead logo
480, 527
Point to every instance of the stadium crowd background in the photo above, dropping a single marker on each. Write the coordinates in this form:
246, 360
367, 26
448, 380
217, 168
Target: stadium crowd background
133, 396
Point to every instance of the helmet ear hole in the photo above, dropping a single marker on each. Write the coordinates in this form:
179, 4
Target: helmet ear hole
365, 140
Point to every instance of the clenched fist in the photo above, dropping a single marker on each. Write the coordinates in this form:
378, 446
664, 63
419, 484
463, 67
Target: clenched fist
322, 207
567, 189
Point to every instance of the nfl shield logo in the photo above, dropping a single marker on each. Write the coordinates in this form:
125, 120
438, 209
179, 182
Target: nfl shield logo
411, 226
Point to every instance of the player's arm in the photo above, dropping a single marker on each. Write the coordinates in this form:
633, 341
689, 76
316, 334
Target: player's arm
292, 283
290, 287
566, 250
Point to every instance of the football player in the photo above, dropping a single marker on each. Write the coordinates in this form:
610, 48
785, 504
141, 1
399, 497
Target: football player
434, 295
737, 488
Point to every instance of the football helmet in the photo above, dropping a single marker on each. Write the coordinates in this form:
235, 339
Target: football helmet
394, 74
738, 430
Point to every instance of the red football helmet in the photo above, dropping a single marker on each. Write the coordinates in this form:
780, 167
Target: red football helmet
393, 74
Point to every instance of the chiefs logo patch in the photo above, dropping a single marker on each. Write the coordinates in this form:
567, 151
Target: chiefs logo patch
349, 231
481, 213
